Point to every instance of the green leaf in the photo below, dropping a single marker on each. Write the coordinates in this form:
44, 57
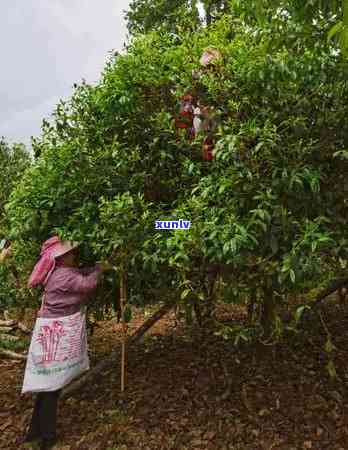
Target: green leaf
341, 153
334, 30
226, 248
300, 311
261, 214
329, 347
262, 225
185, 293
213, 234
331, 369
222, 189
233, 245
127, 314
267, 216
292, 275
344, 40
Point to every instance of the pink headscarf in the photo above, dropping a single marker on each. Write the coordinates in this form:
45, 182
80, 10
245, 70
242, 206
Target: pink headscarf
50, 250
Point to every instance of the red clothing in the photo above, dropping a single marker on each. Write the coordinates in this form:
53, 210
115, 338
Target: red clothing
208, 147
67, 289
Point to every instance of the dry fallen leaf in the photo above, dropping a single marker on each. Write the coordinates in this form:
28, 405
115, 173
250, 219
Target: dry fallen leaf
319, 431
198, 443
6, 424
209, 435
264, 412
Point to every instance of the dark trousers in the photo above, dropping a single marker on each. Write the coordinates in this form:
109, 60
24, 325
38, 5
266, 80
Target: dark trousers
44, 419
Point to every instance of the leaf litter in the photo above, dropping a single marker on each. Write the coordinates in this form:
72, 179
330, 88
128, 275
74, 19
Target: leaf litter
186, 391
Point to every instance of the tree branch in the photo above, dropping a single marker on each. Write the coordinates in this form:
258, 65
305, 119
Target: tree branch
13, 355
333, 287
105, 363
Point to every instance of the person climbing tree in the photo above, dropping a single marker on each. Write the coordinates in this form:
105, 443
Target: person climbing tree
204, 122
184, 121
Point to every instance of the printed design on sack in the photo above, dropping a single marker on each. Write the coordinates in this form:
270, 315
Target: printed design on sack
60, 341
58, 353
59, 369
49, 338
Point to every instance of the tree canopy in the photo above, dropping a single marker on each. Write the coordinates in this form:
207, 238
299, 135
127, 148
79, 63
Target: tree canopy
268, 214
14, 160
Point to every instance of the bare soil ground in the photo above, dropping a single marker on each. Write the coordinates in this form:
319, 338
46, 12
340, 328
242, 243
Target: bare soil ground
187, 391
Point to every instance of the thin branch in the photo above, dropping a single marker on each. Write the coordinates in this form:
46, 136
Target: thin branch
8, 337
7, 323
334, 286
12, 355
6, 329
23, 328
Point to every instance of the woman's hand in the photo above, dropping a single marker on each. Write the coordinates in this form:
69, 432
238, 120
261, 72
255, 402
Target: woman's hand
5, 253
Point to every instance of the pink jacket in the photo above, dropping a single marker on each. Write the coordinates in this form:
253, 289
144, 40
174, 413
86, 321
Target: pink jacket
67, 289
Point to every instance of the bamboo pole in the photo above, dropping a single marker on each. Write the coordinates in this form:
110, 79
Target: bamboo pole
123, 302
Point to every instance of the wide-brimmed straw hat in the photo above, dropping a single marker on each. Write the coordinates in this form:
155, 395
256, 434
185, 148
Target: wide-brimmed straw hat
51, 249
64, 247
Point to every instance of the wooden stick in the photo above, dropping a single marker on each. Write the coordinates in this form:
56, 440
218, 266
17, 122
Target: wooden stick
122, 303
8, 337
6, 329
11, 354
123, 364
23, 328
7, 315
8, 323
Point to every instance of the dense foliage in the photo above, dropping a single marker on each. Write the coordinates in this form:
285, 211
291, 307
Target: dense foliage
144, 16
14, 159
268, 214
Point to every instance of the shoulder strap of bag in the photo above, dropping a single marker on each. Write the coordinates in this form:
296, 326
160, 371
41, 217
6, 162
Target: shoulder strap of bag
43, 298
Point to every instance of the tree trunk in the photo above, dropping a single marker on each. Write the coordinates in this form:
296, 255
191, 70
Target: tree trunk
209, 303
105, 363
251, 306
194, 9
342, 295
208, 9
225, 6
268, 312
198, 312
